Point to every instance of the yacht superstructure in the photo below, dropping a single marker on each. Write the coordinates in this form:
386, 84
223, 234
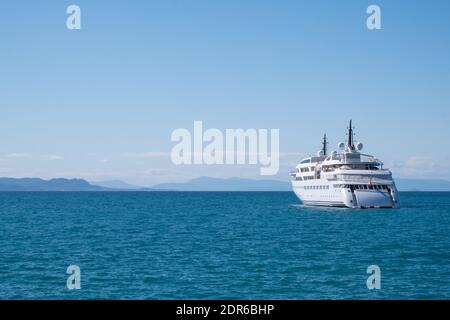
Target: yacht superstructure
347, 178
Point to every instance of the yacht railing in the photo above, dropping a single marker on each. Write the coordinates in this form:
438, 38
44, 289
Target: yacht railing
364, 179
368, 158
353, 158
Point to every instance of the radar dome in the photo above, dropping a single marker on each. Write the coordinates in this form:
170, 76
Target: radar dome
341, 145
320, 153
359, 146
334, 153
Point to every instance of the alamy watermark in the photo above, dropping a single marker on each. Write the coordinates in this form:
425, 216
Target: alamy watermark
74, 279
232, 147
374, 280
373, 22
73, 21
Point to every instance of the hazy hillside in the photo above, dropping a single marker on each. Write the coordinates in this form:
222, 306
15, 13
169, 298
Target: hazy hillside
36, 184
115, 184
232, 184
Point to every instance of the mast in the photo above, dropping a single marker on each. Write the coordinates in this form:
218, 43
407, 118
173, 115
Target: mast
324, 144
350, 137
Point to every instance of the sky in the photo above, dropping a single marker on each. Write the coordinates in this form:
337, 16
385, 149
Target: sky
101, 103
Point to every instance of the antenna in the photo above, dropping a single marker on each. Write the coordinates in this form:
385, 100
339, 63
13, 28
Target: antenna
324, 144
350, 137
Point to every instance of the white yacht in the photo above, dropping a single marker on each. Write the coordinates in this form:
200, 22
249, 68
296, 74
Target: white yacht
347, 178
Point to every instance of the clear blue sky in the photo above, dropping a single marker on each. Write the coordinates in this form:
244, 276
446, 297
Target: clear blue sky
101, 103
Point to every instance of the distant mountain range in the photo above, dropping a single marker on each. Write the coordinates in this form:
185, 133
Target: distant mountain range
422, 185
231, 184
115, 184
198, 184
36, 184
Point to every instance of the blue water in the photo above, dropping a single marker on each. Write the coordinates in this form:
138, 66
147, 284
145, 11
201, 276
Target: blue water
220, 246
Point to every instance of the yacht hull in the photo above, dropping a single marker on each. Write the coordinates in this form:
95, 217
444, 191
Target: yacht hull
331, 196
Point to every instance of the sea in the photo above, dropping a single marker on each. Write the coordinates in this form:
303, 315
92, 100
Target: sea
220, 245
